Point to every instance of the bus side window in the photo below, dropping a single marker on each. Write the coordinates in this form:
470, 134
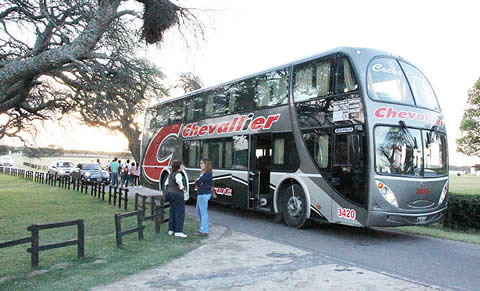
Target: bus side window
221, 102
242, 95
271, 89
175, 112
190, 153
355, 148
161, 118
209, 100
240, 152
341, 150
285, 155
199, 104
345, 79
318, 145
312, 79
228, 153
189, 110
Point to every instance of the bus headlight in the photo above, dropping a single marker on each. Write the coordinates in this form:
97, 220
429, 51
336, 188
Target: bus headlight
444, 194
387, 193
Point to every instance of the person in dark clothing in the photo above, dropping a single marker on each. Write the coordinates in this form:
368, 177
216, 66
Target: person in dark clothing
175, 186
204, 187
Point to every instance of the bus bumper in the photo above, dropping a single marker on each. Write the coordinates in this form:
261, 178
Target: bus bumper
381, 218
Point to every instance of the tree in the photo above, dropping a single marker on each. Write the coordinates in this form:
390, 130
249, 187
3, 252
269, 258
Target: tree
117, 100
189, 82
47, 40
469, 143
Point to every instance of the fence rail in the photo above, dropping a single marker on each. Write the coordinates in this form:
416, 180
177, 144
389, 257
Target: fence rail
34, 239
116, 195
118, 225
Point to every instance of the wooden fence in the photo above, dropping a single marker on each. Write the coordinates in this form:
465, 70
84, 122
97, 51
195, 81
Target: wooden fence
157, 214
34, 239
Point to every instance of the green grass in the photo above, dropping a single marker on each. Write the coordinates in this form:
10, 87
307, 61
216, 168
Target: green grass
437, 230
23, 203
466, 184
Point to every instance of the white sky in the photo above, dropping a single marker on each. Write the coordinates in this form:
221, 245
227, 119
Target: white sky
244, 37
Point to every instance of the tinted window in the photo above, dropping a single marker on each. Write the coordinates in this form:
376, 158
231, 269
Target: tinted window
199, 107
398, 151
150, 118
285, 156
161, 118
422, 91
191, 150
312, 79
345, 79
175, 112
341, 150
228, 154
221, 102
65, 164
317, 143
240, 152
271, 89
91, 167
189, 109
241, 96
386, 82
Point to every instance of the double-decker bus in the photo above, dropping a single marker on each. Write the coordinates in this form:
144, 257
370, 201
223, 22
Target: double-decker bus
352, 136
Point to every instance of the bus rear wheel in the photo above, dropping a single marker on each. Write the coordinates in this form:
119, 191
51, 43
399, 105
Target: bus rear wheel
294, 206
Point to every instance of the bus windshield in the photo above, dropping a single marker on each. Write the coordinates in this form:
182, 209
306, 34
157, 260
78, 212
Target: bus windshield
398, 151
392, 81
410, 152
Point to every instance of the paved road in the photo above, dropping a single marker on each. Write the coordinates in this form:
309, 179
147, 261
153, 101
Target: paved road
433, 262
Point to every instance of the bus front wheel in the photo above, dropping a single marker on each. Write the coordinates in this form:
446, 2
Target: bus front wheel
294, 206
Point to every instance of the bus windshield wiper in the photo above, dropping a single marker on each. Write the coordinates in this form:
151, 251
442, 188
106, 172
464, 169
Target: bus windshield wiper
413, 140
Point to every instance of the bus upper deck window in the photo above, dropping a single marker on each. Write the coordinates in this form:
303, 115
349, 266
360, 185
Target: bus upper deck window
386, 82
312, 80
346, 81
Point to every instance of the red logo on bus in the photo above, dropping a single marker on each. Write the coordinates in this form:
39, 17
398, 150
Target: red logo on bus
239, 123
389, 112
160, 151
423, 191
223, 191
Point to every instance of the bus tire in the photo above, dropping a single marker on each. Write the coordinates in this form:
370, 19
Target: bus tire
294, 206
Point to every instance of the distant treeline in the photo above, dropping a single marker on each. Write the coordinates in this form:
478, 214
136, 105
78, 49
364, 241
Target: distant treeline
52, 152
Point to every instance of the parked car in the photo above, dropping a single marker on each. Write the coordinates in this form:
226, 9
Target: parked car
90, 172
6, 161
61, 168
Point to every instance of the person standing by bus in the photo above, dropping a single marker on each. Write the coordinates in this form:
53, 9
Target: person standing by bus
174, 188
114, 168
204, 187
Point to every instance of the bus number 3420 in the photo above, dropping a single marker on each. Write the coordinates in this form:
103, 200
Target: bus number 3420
346, 213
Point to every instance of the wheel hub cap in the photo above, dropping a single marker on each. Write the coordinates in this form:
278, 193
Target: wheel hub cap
294, 206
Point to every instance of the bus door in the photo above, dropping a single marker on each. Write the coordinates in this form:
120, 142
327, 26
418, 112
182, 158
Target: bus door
259, 168
348, 173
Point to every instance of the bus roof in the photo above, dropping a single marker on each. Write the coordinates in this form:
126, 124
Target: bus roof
347, 50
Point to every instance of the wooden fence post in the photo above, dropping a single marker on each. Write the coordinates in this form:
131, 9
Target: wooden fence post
118, 230
140, 224
115, 195
35, 244
81, 239
120, 198
126, 198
